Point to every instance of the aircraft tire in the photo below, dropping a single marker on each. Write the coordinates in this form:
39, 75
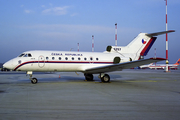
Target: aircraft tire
34, 81
89, 77
105, 78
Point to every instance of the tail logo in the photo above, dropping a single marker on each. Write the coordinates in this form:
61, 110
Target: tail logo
143, 41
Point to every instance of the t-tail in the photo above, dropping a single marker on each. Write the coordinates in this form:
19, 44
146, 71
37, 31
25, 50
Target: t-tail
139, 47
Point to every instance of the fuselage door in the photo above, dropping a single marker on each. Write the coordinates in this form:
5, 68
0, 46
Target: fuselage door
41, 61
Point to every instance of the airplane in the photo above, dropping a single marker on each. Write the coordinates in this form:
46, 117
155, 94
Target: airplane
115, 58
161, 66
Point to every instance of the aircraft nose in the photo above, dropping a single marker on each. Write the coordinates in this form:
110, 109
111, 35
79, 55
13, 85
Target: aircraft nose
8, 65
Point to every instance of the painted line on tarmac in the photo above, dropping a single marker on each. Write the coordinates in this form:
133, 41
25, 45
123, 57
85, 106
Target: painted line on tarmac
151, 81
142, 81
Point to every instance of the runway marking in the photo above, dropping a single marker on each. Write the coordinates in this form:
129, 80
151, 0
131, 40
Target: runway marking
151, 81
142, 81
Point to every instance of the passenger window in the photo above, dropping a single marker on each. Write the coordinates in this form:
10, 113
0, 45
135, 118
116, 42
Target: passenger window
85, 58
53, 58
72, 58
66, 58
59, 58
91, 58
47, 58
97, 59
79, 58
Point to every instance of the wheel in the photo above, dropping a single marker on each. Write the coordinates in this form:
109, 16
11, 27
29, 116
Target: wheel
89, 77
105, 78
34, 81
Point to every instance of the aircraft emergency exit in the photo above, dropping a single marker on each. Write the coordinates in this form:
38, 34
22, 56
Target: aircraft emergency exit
115, 58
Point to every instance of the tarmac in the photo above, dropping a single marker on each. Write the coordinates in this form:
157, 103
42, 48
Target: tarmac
131, 95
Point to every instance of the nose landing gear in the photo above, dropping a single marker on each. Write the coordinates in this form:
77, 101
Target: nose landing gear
33, 80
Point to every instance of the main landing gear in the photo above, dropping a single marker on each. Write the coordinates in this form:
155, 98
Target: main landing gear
88, 77
104, 77
33, 80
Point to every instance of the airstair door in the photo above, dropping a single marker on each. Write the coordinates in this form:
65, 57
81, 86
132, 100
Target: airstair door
41, 61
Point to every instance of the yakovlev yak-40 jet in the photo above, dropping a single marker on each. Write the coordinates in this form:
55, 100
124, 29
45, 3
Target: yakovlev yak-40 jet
115, 58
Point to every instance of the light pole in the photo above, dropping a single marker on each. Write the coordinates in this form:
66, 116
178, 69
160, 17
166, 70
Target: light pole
115, 34
167, 62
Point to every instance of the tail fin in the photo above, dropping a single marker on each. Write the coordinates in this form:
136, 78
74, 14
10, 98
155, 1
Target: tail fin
140, 46
177, 63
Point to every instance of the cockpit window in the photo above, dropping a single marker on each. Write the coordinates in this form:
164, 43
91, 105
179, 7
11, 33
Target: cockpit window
21, 55
29, 55
25, 55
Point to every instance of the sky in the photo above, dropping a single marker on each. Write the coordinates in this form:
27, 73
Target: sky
61, 24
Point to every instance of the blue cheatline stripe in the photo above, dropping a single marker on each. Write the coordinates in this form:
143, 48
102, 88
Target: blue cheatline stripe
148, 46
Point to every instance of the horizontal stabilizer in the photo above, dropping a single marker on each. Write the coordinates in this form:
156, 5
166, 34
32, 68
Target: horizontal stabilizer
120, 66
159, 33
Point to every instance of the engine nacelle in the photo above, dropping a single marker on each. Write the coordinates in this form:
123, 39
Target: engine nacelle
121, 60
113, 48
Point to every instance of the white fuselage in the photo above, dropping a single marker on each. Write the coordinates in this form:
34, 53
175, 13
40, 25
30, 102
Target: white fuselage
68, 61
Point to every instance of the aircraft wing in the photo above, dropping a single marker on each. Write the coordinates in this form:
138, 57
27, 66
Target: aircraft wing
120, 66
